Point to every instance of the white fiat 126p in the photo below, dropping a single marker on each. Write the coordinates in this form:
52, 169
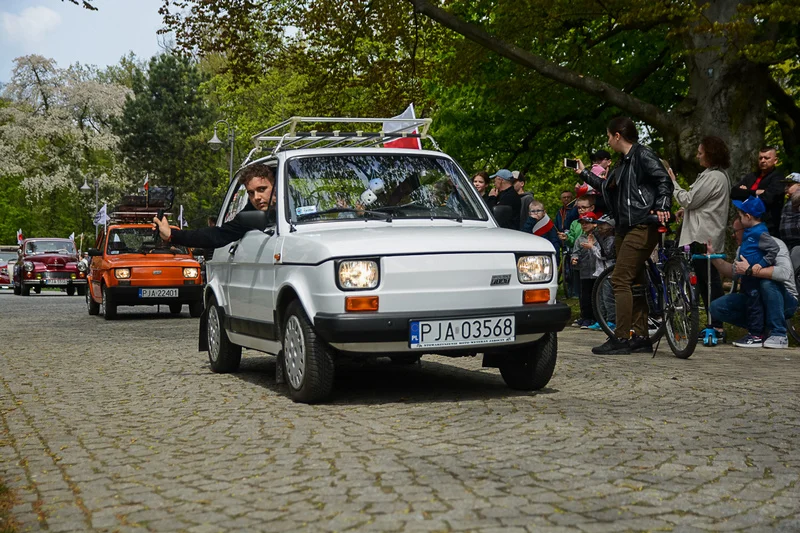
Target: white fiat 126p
372, 251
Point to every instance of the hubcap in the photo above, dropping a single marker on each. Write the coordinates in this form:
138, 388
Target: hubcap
294, 349
213, 333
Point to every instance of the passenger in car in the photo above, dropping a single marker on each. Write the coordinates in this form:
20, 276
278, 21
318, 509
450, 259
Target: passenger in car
259, 182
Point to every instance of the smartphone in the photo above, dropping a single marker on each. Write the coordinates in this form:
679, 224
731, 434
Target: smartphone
570, 163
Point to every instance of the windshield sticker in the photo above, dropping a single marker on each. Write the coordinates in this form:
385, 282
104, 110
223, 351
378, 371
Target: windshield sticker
306, 209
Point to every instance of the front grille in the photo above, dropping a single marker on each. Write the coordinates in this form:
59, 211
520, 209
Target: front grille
57, 275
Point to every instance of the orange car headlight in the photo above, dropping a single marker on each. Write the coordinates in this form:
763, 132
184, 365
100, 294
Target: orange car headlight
122, 273
190, 272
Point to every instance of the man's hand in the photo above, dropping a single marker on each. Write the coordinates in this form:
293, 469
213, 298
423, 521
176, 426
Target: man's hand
163, 228
580, 166
663, 216
741, 266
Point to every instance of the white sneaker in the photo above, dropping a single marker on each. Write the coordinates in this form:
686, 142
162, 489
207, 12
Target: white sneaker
777, 342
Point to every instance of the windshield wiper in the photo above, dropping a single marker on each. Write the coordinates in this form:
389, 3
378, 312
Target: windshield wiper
385, 216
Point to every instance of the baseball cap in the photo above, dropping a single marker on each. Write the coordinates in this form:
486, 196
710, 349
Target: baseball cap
752, 206
589, 217
503, 174
794, 177
605, 219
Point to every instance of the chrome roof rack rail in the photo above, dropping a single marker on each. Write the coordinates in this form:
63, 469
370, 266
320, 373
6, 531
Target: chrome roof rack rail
300, 133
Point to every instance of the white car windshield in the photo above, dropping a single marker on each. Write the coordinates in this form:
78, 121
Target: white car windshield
50, 247
341, 187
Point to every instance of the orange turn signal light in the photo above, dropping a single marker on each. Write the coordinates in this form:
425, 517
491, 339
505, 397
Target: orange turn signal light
536, 296
358, 304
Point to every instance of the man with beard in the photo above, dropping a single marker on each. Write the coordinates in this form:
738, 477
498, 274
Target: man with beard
765, 184
790, 217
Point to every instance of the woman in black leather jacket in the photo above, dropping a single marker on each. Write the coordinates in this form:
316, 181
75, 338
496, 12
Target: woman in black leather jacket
637, 187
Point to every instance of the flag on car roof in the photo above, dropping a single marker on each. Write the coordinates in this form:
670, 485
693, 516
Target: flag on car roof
72, 236
20, 237
403, 142
147, 182
102, 216
181, 222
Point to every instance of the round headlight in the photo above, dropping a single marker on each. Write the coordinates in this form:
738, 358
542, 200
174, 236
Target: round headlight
28, 266
358, 274
122, 273
190, 272
82, 266
535, 269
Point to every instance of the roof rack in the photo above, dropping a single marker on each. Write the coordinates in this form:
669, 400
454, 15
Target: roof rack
127, 214
286, 135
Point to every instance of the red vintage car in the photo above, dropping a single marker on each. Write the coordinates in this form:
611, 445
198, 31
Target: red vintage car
49, 263
8, 256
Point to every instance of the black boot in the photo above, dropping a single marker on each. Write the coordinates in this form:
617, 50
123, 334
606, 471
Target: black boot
613, 346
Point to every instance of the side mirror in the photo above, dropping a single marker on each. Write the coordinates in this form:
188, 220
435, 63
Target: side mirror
259, 220
198, 252
503, 214
94, 252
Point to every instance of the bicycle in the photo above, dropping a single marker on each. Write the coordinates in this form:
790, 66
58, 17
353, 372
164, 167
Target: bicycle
793, 324
671, 299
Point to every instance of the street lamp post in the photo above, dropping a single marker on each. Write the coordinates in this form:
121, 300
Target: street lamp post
215, 143
85, 187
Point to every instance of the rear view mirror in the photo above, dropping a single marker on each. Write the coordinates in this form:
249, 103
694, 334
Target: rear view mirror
94, 252
503, 214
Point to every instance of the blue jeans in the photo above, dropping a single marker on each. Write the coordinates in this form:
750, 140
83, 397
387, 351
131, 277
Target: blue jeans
778, 305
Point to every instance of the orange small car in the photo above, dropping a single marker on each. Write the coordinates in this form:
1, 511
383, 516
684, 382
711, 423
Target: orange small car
130, 267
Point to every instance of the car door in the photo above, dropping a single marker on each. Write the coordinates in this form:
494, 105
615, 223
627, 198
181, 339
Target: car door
218, 269
252, 281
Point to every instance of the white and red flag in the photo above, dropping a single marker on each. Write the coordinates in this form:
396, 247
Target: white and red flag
147, 183
403, 142
20, 236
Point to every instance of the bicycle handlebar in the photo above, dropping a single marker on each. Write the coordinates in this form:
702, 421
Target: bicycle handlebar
704, 256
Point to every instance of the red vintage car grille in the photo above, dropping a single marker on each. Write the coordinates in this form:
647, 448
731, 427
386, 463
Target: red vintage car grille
57, 275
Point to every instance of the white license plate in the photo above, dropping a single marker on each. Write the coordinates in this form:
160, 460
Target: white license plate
461, 332
158, 293
56, 282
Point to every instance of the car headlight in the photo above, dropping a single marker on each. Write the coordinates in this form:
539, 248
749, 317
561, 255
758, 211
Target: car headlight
535, 268
28, 266
82, 266
358, 275
190, 272
122, 273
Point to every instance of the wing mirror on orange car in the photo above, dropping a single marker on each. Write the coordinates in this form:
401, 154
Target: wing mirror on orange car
94, 252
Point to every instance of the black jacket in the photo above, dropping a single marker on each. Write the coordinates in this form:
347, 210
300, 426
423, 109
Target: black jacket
773, 196
213, 236
635, 187
510, 198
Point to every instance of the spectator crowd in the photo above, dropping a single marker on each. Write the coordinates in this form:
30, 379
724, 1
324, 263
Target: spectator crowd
612, 216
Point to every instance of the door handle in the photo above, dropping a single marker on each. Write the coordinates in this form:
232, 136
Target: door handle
232, 249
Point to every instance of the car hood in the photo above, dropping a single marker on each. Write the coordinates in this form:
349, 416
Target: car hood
150, 260
52, 259
317, 246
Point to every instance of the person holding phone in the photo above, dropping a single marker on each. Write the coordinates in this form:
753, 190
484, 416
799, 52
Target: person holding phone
638, 187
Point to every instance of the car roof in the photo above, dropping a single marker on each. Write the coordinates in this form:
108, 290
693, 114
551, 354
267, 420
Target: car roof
322, 152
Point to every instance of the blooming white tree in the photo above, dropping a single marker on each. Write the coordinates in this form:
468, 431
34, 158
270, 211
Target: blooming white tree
55, 128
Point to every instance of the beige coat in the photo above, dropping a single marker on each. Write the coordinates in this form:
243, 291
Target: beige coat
706, 205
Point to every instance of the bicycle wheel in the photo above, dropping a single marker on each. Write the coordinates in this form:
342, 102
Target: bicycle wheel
603, 304
793, 324
682, 314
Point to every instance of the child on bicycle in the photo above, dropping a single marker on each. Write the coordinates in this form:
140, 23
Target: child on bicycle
760, 250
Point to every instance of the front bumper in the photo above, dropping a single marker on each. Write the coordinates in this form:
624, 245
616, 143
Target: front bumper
187, 294
394, 327
57, 282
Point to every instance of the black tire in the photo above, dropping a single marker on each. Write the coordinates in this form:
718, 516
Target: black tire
682, 313
91, 306
108, 307
196, 309
25, 290
81, 289
655, 306
405, 359
223, 356
531, 368
37, 290
309, 363
175, 309
71, 291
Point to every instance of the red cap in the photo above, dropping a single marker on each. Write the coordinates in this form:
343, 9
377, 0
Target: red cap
589, 216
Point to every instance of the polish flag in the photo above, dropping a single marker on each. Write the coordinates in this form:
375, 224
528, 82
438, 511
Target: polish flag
403, 142
20, 237
147, 183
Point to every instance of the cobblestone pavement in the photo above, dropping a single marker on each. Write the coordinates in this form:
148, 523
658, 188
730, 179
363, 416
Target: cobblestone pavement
120, 426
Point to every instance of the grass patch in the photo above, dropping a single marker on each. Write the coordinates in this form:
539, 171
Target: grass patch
7, 500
